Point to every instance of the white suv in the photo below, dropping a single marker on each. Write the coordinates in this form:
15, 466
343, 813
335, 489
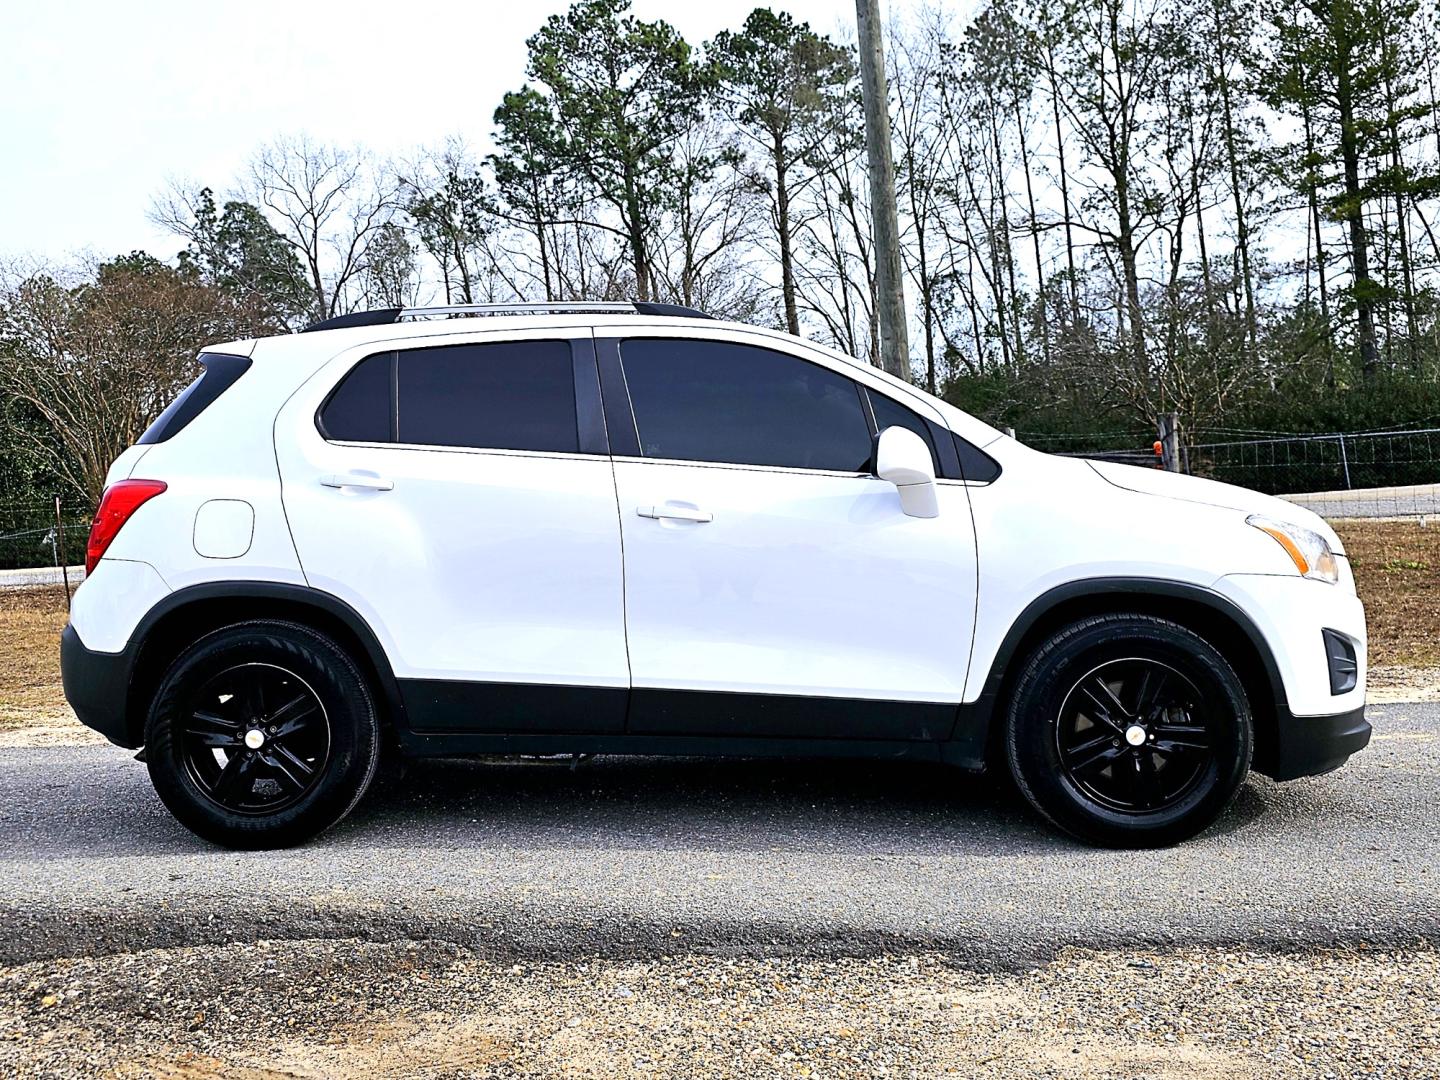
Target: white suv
630, 529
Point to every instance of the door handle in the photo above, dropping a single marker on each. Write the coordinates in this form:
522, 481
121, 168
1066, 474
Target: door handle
357, 480
675, 513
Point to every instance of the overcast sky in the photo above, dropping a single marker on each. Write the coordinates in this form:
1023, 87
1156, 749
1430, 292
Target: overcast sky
101, 102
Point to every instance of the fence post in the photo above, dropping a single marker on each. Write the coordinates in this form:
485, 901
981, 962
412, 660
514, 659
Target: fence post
1345, 463
1170, 440
60, 552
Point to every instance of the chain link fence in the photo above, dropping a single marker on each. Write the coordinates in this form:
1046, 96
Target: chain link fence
29, 536
1365, 474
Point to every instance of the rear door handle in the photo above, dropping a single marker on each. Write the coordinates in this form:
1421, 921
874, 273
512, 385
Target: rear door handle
357, 480
675, 513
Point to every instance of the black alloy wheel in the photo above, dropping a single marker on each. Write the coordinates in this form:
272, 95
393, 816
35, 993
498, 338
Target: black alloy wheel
1128, 731
257, 738
262, 734
1132, 735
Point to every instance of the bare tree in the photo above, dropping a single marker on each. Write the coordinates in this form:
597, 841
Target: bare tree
329, 204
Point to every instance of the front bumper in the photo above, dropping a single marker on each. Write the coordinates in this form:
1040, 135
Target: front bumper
1311, 745
97, 685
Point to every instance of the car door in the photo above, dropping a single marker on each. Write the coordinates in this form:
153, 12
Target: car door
773, 585
459, 496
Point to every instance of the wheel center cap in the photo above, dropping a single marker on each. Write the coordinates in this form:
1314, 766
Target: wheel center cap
1134, 735
255, 738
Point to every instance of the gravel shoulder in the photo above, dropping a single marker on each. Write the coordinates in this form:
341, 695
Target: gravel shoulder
348, 1008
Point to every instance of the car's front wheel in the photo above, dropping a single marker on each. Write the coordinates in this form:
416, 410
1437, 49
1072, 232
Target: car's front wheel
1128, 731
261, 735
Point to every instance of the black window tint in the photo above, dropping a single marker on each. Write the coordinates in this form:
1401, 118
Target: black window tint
890, 413
361, 408
975, 464
514, 395
219, 374
715, 401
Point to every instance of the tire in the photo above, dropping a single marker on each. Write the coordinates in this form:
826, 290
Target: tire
262, 735
1128, 731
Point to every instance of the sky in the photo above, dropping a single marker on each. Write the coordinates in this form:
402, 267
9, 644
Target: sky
102, 103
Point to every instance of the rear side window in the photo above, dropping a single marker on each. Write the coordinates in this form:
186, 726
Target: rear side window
362, 408
743, 405
220, 372
516, 395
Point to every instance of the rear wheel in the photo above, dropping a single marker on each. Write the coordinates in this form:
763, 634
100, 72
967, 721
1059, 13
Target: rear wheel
262, 735
1128, 731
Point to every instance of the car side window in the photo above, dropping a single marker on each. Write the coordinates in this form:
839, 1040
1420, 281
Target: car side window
890, 413
742, 404
361, 408
513, 395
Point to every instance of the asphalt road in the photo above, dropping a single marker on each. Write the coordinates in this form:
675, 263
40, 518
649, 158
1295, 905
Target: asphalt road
647, 858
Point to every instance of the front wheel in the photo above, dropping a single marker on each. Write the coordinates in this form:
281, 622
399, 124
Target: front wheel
262, 735
1128, 731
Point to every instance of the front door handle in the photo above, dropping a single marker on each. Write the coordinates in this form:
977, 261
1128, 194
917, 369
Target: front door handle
364, 481
675, 513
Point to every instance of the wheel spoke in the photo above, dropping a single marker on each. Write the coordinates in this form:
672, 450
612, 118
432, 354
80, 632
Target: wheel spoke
212, 731
1105, 701
295, 771
1152, 682
236, 780
1146, 782
1097, 751
291, 716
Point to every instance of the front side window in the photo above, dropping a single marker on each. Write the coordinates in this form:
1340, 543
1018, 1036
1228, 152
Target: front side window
514, 395
743, 405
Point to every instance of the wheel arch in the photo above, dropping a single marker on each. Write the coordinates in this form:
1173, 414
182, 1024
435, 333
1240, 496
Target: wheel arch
1210, 615
188, 614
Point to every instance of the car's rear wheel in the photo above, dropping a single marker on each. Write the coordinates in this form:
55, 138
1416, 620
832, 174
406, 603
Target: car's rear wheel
261, 735
1128, 731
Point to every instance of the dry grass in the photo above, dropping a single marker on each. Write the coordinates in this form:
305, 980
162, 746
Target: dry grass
1396, 563
1397, 573
30, 625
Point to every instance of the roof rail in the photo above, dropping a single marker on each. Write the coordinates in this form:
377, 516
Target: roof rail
386, 316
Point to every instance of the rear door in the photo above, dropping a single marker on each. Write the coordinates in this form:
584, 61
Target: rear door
460, 497
773, 585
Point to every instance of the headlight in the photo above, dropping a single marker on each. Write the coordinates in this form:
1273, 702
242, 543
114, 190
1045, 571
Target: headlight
1308, 550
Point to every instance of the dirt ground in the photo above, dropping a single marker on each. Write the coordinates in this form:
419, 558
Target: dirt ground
1396, 564
349, 1008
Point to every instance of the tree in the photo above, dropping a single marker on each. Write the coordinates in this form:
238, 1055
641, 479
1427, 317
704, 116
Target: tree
328, 203
236, 249
97, 355
621, 92
454, 215
785, 87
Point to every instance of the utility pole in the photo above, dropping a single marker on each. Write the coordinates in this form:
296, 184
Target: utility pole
889, 285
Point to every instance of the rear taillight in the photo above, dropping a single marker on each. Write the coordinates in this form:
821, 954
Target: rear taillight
119, 501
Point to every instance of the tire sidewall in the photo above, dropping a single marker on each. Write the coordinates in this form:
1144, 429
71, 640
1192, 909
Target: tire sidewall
1034, 718
349, 709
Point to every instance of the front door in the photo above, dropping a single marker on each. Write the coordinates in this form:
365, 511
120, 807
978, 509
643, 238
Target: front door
450, 495
773, 586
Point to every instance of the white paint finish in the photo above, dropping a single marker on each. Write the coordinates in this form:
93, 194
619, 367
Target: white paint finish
507, 566
110, 603
1290, 611
1050, 520
225, 453
475, 565
802, 583
224, 528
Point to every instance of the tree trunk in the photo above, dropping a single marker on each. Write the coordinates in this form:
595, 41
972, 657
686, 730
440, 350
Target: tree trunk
1354, 208
782, 228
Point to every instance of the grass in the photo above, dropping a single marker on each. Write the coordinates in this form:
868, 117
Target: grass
1397, 573
1396, 564
30, 625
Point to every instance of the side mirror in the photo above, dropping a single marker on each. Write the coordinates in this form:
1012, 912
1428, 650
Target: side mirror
902, 458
